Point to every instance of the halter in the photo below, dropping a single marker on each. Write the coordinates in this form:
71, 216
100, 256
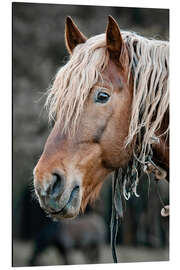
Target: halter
124, 184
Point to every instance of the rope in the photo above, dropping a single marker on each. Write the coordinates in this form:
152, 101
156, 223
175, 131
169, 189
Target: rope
125, 182
117, 210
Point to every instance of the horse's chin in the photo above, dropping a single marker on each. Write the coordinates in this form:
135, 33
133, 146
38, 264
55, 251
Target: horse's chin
68, 212
68, 215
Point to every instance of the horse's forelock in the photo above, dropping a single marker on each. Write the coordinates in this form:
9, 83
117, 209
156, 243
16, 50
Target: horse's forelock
74, 81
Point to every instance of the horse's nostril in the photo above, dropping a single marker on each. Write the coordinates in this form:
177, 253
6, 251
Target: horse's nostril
57, 185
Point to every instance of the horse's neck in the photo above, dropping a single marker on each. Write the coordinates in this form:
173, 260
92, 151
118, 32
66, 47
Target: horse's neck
161, 150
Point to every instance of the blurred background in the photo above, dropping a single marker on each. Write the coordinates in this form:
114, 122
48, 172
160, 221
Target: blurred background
38, 51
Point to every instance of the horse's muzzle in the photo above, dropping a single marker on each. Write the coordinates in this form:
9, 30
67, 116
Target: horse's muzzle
57, 198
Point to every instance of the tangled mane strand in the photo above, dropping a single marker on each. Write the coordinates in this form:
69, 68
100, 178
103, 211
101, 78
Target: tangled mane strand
74, 81
149, 64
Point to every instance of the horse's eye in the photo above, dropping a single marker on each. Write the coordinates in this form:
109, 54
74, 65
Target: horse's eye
102, 97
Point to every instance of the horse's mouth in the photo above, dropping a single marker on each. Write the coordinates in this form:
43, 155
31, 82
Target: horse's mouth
71, 208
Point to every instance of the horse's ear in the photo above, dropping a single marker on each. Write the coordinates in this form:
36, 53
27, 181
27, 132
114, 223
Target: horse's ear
114, 41
73, 36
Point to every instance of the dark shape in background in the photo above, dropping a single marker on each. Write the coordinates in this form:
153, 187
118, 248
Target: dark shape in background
38, 52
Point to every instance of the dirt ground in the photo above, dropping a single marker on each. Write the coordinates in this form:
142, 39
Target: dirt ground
22, 251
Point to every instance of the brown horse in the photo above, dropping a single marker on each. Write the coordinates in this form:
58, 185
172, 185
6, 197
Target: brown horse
111, 110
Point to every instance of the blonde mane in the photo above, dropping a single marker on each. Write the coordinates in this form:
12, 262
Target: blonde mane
149, 65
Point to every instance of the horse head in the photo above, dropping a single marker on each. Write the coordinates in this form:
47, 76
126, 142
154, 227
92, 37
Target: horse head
92, 121
110, 103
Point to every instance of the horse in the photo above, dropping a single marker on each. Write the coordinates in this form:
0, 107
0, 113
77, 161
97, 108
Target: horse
86, 234
110, 107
